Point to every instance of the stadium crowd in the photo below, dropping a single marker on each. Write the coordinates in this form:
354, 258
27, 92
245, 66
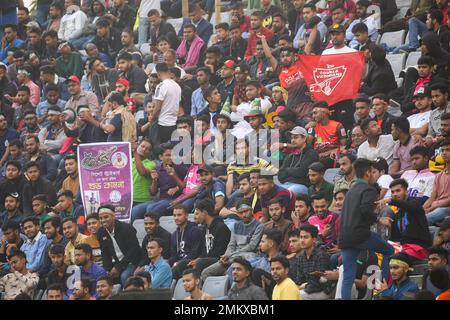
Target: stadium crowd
357, 208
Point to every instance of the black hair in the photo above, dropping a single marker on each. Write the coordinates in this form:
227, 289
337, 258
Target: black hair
287, 115
57, 249
421, 150
279, 15
208, 92
207, 205
11, 224
135, 282
310, 5
204, 69
402, 124
336, 7
162, 67
106, 278
274, 235
50, 33
235, 26
32, 219
85, 248
55, 222
317, 167
56, 287
125, 56
159, 241
381, 165
152, 215
285, 37
190, 26
282, 260
312, 230
360, 28
440, 251
277, 200
176, 71
103, 23
445, 142
223, 25
349, 156
294, 233
181, 207
117, 97
243, 262
65, 193
363, 3
401, 182
72, 220
185, 119
305, 198
319, 195
17, 253
245, 175
145, 275
11, 26
165, 146
343, 191
365, 124
445, 116
361, 166
86, 283
153, 12
442, 87
194, 272
14, 163
258, 14
24, 89
436, 14
428, 60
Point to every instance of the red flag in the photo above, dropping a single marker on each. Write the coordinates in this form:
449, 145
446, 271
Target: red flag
333, 78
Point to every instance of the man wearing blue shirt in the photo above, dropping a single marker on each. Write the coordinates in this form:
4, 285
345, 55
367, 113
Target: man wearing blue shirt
89, 269
11, 41
198, 102
158, 268
34, 246
401, 284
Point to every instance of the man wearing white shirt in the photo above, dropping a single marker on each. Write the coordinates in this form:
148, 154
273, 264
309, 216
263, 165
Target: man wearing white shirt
418, 122
337, 33
144, 7
369, 21
376, 145
72, 23
167, 102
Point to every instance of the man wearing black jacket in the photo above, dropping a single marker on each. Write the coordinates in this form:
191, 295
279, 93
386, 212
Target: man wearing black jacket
217, 235
154, 230
119, 245
135, 75
293, 173
36, 185
186, 242
409, 226
356, 219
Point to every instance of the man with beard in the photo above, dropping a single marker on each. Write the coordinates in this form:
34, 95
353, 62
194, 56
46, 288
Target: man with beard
285, 289
34, 246
279, 222
12, 211
14, 180
439, 95
53, 229
278, 28
51, 45
49, 76
291, 79
107, 39
135, 75
10, 240
31, 127
103, 79
36, 185
404, 143
127, 40
258, 31
311, 34
79, 97
47, 165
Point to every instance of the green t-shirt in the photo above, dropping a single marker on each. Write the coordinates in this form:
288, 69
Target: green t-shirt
142, 184
326, 188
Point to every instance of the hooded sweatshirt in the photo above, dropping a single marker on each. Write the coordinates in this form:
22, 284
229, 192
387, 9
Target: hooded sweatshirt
72, 23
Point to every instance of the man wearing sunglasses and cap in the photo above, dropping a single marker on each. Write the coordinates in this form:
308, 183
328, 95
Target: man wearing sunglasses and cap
79, 97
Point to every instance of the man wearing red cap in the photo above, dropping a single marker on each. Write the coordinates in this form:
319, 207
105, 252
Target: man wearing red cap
122, 85
79, 97
226, 86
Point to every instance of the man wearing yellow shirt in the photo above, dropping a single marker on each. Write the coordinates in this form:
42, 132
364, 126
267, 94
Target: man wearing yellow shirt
285, 289
70, 230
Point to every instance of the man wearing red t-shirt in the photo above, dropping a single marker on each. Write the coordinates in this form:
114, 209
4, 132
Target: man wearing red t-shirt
329, 135
291, 79
256, 23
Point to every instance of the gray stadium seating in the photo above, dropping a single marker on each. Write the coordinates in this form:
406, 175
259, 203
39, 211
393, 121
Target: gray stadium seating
179, 293
216, 286
393, 39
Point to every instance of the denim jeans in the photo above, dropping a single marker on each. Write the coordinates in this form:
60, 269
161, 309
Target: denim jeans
437, 215
350, 255
416, 28
126, 273
138, 211
143, 30
81, 42
296, 188
159, 206
42, 13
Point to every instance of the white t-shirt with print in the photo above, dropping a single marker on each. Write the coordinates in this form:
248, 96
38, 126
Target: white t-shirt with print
169, 92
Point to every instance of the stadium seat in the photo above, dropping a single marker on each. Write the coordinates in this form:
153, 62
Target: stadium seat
140, 231
411, 61
116, 289
176, 23
216, 286
224, 17
172, 286
397, 62
393, 39
167, 222
330, 174
179, 293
